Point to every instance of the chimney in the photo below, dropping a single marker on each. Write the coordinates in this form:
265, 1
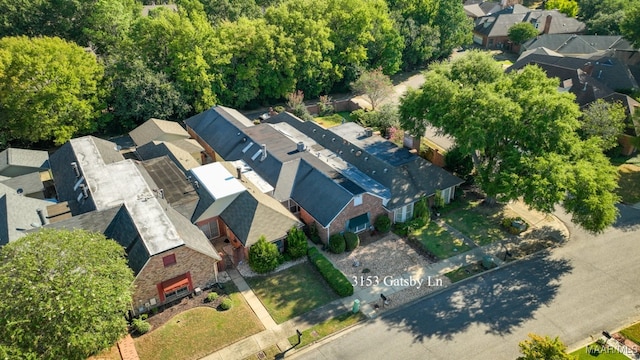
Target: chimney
43, 218
547, 24
264, 152
368, 132
588, 68
300, 146
239, 172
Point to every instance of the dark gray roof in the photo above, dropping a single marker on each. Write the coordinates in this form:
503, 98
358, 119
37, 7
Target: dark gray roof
18, 214
573, 44
193, 237
607, 70
27, 184
406, 176
16, 162
177, 190
499, 23
183, 159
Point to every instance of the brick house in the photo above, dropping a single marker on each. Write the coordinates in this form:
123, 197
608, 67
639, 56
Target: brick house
337, 179
169, 256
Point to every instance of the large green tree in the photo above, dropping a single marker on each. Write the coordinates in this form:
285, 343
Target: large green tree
65, 294
522, 136
567, 7
602, 17
522, 32
48, 89
630, 24
219, 11
109, 24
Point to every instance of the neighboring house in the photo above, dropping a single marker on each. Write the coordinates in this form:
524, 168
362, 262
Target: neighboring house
239, 208
339, 179
105, 192
479, 8
19, 214
574, 44
15, 162
492, 31
157, 130
589, 78
30, 184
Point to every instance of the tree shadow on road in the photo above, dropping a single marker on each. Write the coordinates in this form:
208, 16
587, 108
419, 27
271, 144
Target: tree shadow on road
629, 218
500, 301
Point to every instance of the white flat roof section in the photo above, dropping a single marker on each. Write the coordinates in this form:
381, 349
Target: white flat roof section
253, 177
219, 182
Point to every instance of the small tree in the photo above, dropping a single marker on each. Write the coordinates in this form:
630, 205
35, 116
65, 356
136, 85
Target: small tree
337, 244
295, 101
605, 121
421, 209
538, 347
324, 105
263, 256
374, 85
383, 223
522, 32
296, 243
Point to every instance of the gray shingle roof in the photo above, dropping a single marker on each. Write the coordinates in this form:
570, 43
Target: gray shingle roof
28, 184
18, 214
573, 44
16, 162
499, 23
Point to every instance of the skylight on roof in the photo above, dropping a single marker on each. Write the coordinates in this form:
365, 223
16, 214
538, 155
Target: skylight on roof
246, 148
255, 156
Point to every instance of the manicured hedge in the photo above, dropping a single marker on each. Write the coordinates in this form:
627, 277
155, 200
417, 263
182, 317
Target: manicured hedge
352, 240
334, 277
337, 244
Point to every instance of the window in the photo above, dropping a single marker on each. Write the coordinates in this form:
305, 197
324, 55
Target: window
357, 200
210, 229
403, 214
169, 260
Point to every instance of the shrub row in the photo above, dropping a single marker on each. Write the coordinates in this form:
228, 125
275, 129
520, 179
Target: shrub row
334, 277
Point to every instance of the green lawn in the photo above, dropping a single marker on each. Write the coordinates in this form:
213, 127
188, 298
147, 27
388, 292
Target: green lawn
464, 272
612, 354
200, 331
333, 120
328, 327
440, 242
481, 228
629, 183
291, 292
632, 333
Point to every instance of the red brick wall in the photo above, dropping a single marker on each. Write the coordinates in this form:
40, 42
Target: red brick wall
207, 149
201, 267
370, 204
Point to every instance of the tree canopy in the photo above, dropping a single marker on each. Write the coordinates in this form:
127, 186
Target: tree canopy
604, 121
567, 7
522, 32
373, 85
66, 294
49, 89
522, 136
538, 347
630, 24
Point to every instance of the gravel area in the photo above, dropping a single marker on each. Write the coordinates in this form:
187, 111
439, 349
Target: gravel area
389, 256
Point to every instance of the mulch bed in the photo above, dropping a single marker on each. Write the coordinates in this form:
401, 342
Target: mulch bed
166, 312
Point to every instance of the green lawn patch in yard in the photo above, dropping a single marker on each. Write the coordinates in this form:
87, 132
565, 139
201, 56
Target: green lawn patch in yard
629, 190
346, 115
598, 352
326, 328
483, 229
440, 242
464, 272
291, 292
632, 333
200, 331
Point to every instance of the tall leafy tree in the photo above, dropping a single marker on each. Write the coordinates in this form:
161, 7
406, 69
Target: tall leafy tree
261, 65
604, 121
630, 24
602, 17
48, 89
567, 7
230, 10
385, 50
66, 293
139, 93
522, 136
109, 24
183, 46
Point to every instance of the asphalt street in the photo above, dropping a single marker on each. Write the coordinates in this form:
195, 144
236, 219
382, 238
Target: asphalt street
575, 291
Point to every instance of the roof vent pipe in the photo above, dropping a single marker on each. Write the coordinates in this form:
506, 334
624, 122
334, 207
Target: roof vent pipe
264, 152
43, 219
76, 170
300, 146
238, 172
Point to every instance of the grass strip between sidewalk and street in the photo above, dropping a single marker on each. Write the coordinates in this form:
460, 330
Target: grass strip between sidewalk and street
326, 328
